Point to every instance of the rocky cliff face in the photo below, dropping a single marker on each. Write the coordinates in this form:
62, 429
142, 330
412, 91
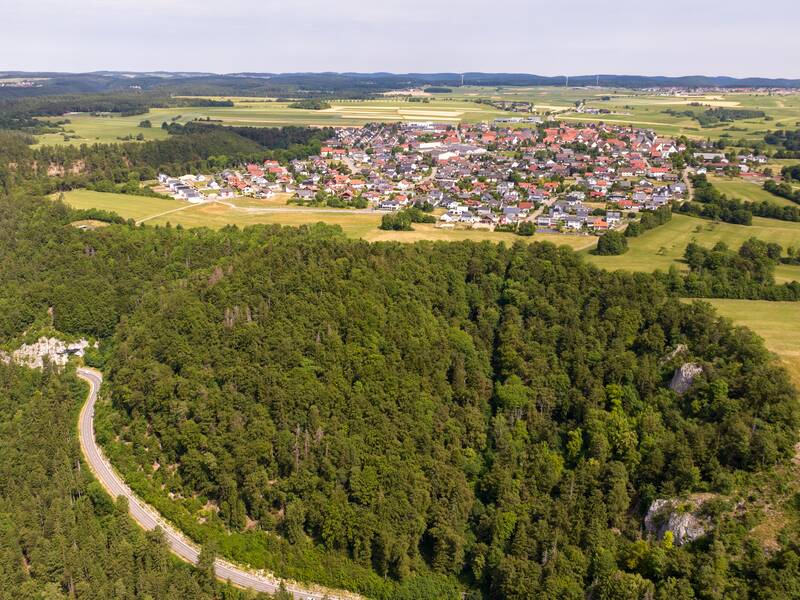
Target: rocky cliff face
678, 516
57, 352
684, 377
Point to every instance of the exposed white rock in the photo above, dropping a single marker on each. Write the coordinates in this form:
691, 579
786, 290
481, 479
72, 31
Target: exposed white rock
685, 525
57, 352
678, 350
684, 377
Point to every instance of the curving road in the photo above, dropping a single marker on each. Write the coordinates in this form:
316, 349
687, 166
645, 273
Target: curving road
147, 517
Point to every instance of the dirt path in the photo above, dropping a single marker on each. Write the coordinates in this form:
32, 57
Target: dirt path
167, 212
688, 182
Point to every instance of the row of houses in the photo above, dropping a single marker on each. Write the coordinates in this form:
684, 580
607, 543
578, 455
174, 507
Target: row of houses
559, 176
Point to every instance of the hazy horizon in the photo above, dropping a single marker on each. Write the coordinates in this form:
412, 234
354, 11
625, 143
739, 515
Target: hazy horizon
420, 36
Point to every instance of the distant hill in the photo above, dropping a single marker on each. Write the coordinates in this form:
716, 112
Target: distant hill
339, 84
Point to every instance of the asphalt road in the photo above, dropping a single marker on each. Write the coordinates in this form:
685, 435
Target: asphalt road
148, 518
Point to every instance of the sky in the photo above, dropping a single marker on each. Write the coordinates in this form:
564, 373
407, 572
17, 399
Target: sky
544, 37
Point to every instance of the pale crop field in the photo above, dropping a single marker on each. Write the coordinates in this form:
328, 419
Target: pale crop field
626, 107
261, 113
777, 322
640, 109
426, 231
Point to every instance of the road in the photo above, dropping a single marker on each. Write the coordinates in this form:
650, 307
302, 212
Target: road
147, 517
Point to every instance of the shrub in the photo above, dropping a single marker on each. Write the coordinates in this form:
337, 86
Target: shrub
612, 243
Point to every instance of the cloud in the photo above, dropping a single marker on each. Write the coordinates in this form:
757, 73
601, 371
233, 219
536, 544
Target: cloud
567, 36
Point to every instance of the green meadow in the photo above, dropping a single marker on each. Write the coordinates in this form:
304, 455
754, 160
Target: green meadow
84, 128
777, 322
747, 190
242, 212
125, 205
663, 247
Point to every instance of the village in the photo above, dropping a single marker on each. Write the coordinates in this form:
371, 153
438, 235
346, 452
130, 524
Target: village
560, 178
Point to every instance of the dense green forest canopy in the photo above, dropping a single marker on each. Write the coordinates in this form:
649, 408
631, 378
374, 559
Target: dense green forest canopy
714, 116
60, 534
721, 272
784, 189
24, 113
788, 142
495, 414
193, 147
456, 407
349, 85
311, 104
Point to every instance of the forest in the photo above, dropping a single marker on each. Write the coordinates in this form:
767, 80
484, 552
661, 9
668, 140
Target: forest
787, 141
720, 272
783, 189
194, 147
431, 418
648, 220
23, 113
61, 536
493, 413
714, 116
490, 417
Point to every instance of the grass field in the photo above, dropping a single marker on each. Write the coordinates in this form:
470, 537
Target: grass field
106, 129
125, 205
657, 249
355, 224
777, 322
746, 190
663, 246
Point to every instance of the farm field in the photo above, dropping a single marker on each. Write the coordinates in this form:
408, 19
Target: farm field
647, 111
626, 106
747, 190
663, 246
259, 113
157, 211
777, 322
